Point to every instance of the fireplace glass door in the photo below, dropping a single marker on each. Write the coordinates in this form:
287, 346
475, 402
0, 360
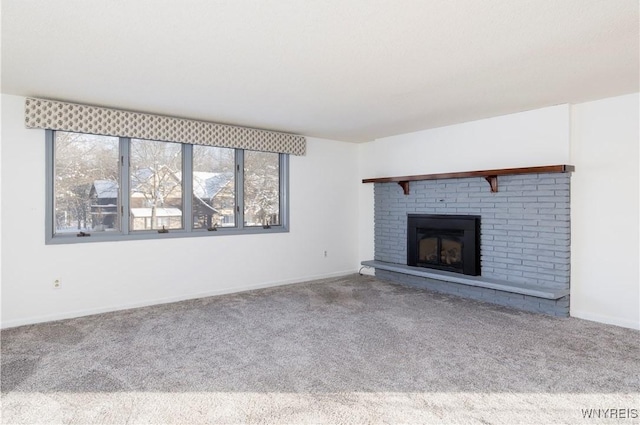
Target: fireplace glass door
441, 248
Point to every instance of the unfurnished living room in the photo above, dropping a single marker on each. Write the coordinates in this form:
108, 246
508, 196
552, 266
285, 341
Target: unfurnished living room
336, 212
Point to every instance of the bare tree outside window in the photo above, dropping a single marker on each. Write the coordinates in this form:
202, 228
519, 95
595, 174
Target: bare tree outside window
156, 185
85, 182
213, 187
261, 188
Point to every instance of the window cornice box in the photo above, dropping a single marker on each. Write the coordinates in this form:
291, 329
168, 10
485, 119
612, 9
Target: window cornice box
56, 115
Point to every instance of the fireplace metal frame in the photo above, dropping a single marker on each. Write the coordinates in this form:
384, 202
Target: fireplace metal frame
469, 224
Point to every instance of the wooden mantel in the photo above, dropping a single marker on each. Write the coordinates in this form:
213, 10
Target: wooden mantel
490, 175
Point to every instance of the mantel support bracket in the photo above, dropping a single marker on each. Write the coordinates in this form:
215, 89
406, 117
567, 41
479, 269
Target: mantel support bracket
405, 187
493, 182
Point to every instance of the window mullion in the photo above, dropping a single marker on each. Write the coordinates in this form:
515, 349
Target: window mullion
124, 184
187, 187
284, 190
50, 188
239, 188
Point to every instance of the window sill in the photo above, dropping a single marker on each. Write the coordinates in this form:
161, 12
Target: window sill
71, 238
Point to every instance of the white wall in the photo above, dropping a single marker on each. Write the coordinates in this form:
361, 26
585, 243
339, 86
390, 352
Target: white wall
600, 138
113, 275
604, 211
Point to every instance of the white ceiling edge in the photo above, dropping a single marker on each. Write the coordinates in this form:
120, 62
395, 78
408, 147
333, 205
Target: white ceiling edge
351, 71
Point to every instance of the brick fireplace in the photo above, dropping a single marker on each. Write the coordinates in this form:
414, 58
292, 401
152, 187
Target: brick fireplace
524, 237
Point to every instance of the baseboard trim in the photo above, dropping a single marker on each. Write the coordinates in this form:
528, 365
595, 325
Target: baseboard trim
158, 301
609, 320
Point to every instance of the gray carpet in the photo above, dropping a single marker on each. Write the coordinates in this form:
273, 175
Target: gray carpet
347, 350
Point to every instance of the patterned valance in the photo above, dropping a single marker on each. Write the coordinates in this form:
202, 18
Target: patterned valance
54, 115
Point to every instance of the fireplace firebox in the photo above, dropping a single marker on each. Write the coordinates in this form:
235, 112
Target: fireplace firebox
444, 242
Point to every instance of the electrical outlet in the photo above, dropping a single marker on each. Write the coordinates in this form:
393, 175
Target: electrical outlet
56, 284
326, 254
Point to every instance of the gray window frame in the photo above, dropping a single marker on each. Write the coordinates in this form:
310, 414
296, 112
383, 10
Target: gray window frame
125, 233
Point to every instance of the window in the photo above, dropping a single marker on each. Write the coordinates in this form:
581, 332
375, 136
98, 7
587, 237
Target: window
86, 196
110, 188
261, 189
155, 185
214, 189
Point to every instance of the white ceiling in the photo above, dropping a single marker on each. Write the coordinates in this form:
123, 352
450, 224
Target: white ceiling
352, 70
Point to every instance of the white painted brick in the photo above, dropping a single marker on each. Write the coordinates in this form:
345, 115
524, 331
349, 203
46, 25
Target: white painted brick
508, 261
522, 234
508, 227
